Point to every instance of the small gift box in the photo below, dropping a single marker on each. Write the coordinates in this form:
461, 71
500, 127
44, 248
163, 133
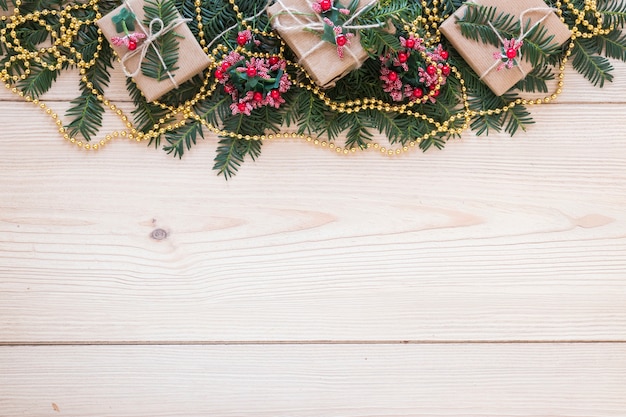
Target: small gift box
133, 48
502, 68
296, 21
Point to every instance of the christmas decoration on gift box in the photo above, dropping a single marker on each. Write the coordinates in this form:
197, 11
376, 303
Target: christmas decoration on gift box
330, 72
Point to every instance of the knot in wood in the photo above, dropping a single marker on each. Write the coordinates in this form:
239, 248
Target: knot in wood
158, 234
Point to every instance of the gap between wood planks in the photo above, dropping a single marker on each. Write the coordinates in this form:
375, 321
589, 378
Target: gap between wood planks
307, 342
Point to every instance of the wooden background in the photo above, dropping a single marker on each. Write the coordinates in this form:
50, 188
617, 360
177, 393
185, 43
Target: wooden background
485, 280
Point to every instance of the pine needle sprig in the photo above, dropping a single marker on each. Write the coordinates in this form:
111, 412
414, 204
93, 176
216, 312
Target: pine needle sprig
183, 138
585, 59
613, 12
475, 24
308, 112
39, 81
215, 109
231, 153
87, 112
358, 134
217, 16
145, 115
167, 44
536, 80
613, 44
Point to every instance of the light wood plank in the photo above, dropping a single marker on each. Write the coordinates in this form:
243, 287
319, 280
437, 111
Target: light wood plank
315, 381
490, 239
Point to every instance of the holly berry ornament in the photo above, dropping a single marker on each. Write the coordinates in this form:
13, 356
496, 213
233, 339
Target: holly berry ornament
253, 82
415, 73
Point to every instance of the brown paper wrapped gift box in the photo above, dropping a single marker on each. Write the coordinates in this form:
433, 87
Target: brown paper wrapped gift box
192, 59
290, 17
480, 55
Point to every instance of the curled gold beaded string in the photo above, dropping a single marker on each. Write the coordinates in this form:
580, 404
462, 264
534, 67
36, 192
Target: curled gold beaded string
429, 22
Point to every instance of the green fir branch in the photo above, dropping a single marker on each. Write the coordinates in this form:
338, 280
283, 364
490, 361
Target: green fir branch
87, 112
183, 138
394, 126
474, 24
613, 44
595, 68
613, 12
358, 134
231, 153
438, 141
308, 112
162, 56
535, 81
39, 81
517, 117
145, 115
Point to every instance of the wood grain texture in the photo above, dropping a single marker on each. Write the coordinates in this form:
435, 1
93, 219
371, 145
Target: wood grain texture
135, 284
315, 381
491, 239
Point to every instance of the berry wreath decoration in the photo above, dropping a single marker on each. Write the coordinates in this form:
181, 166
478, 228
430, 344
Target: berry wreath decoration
391, 70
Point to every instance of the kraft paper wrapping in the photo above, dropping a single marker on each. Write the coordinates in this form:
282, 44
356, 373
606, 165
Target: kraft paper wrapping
323, 65
191, 58
480, 55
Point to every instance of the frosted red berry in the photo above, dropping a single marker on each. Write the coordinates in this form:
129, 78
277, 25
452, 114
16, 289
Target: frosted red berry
242, 39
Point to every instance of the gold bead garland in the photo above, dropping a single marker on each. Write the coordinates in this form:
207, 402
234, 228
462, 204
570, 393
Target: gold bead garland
430, 21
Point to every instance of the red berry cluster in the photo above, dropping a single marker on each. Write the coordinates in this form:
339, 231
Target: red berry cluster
253, 82
414, 71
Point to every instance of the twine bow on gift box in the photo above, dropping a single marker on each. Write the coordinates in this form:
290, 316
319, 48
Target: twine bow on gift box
508, 56
150, 37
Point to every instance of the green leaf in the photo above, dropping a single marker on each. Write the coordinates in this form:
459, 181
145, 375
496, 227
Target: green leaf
124, 20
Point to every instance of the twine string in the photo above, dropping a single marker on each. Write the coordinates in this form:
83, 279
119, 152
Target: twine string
151, 36
319, 26
523, 34
235, 26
